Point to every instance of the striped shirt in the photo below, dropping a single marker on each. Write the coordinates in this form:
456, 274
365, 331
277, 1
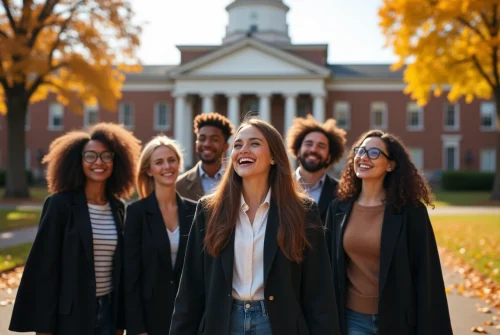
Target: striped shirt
105, 241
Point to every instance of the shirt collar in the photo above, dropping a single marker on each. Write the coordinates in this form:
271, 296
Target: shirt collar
319, 183
267, 201
203, 174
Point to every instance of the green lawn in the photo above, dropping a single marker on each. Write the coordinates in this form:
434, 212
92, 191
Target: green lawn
456, 198
13, 257
16, 219
474, 238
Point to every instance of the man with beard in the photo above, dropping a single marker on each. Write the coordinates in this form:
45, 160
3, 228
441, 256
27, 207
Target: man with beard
212, 131
317, 147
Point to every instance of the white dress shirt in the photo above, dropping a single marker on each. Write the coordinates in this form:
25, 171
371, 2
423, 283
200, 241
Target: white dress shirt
248, 268
208, 183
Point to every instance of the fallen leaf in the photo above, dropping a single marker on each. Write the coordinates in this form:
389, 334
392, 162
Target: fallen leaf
479, 330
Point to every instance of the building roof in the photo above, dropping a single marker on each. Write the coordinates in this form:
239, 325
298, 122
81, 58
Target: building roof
364, 71
151, 72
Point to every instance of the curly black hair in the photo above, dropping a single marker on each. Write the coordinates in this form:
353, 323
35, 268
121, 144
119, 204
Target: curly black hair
65, 170
216, 120
403, 185
303, 126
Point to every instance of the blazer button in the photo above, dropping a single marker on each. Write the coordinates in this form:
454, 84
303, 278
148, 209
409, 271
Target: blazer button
271, 297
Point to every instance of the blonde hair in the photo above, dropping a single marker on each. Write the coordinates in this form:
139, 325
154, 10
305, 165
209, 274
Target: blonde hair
145, 184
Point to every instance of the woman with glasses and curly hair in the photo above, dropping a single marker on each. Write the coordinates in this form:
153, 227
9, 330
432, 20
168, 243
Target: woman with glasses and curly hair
72, 281
387, 273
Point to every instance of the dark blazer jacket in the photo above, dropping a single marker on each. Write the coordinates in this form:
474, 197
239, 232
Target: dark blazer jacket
189, 184
298, 297
412, 298
328, 194
151, 280
57, 290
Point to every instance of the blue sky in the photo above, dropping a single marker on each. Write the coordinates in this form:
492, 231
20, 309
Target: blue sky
349, 27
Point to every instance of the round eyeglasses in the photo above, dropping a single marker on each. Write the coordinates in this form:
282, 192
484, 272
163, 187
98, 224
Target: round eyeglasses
92, 156
372, 153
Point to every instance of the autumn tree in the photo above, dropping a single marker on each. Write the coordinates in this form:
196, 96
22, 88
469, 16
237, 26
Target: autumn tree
447, 44
73, 49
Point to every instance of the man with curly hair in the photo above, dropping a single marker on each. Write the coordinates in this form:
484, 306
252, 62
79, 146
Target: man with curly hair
212, 131
317, 147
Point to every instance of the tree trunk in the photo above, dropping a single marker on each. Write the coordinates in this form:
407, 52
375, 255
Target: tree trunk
16, 183
495, 195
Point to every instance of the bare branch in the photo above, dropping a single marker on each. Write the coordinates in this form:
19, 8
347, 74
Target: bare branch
482, 72
9, 15
41, 79
467, 24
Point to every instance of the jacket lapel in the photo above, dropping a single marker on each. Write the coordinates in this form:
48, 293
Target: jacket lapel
270, 240
227, 259
158, 229
82, 221
327, 195
184, 226
195, 188
391, 227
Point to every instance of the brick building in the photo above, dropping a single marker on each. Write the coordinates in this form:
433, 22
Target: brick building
256, 67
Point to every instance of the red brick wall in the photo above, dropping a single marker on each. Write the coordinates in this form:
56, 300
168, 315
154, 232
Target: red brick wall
187, 56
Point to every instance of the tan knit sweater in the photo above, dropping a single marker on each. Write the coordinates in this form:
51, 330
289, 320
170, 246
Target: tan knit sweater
362, 246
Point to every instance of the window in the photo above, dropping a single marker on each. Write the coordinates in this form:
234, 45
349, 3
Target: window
253, 28
342, 114
303, 108
417, 156
90, 116
126, 115
488, 115
163, 116
451, 117
451, 151
379, 115
488, 160
56, 111
27, 159
27, 120
415, 117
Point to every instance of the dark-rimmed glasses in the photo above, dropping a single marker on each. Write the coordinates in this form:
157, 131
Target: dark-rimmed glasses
372, 153
92, 156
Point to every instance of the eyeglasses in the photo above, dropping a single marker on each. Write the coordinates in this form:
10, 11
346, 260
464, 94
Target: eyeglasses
92, 156
372, 153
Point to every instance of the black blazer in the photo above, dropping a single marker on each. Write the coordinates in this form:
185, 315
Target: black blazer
412, 298
328, 194
151, 280
57, 290
299, 297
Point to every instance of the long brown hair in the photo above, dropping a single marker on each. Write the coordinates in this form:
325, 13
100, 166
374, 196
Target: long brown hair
224, 204
403, 185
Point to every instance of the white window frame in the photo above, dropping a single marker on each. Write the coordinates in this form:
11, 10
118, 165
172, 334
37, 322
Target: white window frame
457, 117
157, 126
488, 151
483, 108
384, 108
451, 141
27, 159
51, 125
412, 151
412, 107
345, 107
27, 121
121, 117
87, 110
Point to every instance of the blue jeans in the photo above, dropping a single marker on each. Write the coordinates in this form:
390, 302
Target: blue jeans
249, 318
361, 324
104, 321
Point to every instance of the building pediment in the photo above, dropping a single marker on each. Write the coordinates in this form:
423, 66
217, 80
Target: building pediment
249, 58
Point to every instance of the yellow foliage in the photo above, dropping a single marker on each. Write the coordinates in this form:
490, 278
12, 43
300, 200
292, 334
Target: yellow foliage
77, 50
444, 43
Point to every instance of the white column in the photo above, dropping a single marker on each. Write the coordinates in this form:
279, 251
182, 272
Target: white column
265, 107
179, 123
233, 109
290, 111
319, 107
188, 134
208, 103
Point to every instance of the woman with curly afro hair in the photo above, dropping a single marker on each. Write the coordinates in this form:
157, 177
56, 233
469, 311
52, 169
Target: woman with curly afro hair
387, 273
72, 281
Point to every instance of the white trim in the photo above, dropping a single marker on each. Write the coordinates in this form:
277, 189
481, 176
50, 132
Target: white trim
337, 107
385, 120
455, 127
493, 117
51, 125
156, 125
366, 86
410, 109
451, 141
27, 121
492, 160
87, 110
27, 159
121, 116
147, 87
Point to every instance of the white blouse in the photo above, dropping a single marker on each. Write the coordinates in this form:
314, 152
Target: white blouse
174, 237
248, 268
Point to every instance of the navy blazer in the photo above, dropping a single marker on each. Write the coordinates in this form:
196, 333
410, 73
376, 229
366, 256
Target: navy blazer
151, 280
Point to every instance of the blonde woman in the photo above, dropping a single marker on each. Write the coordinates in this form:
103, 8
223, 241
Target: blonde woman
156, 230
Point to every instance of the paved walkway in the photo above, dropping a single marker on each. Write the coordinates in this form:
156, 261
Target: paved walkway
16, 237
